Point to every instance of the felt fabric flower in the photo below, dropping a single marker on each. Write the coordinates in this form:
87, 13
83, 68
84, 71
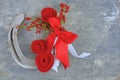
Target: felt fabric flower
39, 46
44, 61
47, 13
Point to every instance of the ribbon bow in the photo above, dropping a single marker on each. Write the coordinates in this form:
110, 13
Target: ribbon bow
64, 38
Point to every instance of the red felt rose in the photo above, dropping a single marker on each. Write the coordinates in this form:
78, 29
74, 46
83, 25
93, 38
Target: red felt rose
44, 61
39, 46
47, 13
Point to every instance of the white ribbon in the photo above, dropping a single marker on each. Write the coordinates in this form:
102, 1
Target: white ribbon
72, 51
75, 54
56, 64
56, 61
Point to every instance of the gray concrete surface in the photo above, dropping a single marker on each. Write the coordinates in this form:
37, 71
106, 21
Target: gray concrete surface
97, 22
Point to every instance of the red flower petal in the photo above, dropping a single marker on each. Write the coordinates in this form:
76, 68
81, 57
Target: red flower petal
39, 46
64, 7
33, 22
37, 19
47, 13
28, 18
28, 28
38, 26
38, 31
44, 61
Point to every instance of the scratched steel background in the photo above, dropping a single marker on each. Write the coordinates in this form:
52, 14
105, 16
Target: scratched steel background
97, 22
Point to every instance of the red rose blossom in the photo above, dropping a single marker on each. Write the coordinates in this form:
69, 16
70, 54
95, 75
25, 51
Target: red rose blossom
44, 61
47, 13
39, 46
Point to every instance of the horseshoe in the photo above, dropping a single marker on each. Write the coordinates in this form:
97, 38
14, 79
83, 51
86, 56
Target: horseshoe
14, 45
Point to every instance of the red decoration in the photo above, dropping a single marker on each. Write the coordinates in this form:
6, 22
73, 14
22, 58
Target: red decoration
62, 17
28, 18
64, 7
44, 61
64, 38
48, 13
39, 46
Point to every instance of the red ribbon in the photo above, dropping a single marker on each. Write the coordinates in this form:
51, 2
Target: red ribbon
64, 38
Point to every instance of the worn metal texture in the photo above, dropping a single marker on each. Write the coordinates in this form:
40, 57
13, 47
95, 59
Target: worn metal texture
97, 22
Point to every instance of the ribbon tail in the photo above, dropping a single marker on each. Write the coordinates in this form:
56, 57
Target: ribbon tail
56, 64
62, 52
75, 54
56, 61
51, 40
